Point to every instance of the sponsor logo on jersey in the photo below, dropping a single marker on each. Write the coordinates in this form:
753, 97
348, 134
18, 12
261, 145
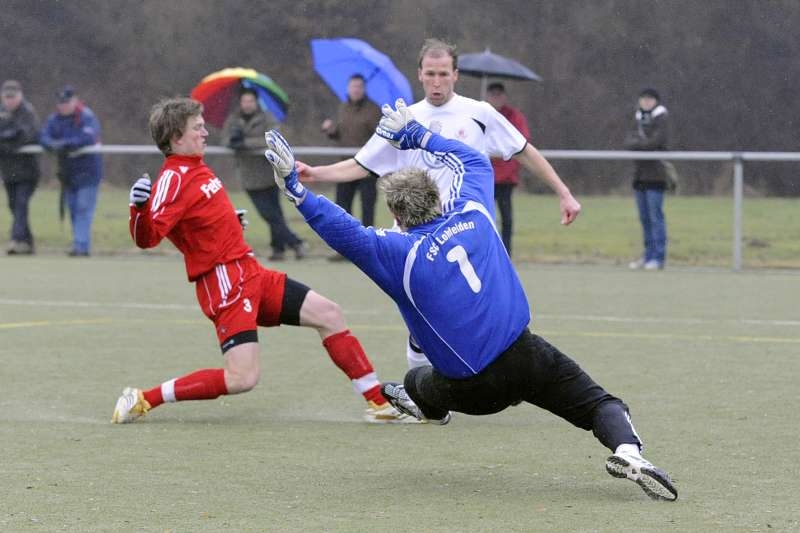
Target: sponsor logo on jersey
446, 235
213, 186
455, 229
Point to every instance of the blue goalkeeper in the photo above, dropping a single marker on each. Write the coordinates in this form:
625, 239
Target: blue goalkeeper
462, 300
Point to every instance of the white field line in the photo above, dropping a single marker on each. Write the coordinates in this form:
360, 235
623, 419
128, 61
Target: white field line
115, 305
670, 320
544, 316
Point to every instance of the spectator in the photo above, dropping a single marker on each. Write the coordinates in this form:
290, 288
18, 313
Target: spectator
650, 178
71, 127
244, 131
19, 126
506, 172
355, 123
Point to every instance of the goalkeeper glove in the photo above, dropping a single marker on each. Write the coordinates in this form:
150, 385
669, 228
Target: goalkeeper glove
140, 192
280, 156
399, 127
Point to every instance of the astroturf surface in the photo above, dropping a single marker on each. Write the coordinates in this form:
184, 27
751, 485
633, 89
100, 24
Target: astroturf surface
706, 359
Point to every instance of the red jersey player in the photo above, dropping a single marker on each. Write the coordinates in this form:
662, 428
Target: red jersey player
189, 206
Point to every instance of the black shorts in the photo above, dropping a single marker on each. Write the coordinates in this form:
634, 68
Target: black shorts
530, 370
294, 294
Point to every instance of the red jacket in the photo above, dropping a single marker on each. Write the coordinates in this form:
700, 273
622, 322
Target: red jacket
190, 207
508, 171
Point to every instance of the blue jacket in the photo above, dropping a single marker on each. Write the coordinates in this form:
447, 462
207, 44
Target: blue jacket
451, 278
64, 133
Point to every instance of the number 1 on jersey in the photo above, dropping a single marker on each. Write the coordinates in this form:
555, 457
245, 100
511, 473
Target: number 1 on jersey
459, 255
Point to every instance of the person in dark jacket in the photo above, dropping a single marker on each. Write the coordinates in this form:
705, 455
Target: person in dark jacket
650, 179
355, 123
71, 127
19, 126
244, 131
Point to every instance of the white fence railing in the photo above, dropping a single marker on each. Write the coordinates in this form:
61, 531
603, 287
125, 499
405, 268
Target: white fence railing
738, 159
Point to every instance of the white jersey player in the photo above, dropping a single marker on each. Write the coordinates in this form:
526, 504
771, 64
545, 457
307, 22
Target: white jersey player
477, 124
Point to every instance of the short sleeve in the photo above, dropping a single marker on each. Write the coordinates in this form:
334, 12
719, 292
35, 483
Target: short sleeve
378, 156
502, 138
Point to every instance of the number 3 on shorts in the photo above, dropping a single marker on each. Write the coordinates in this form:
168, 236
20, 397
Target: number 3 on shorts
248, 307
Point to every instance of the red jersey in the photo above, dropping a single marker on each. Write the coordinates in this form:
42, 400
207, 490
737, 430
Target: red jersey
508, 171
190, 207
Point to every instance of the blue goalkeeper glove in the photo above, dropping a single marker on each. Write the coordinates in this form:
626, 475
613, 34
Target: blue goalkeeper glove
140, 192
399, 127
280, 156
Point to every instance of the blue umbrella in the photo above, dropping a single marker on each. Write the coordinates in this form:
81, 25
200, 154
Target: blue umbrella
335, 60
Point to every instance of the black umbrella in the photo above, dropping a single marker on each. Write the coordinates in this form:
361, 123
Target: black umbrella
487, 64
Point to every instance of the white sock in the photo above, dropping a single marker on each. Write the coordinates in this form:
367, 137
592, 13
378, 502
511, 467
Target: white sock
415, 358
628, 449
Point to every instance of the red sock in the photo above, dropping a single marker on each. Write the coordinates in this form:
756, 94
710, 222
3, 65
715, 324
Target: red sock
204, 384
154, 397
347, 353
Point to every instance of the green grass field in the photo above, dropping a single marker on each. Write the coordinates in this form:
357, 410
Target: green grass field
706, 359
607, 232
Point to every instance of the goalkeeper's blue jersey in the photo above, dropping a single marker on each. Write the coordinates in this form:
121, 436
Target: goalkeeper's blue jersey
452, 279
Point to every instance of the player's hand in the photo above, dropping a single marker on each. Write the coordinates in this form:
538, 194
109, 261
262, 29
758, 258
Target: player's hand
399, 127
140, 192
240, 213
281, 157
570, 209
304, 172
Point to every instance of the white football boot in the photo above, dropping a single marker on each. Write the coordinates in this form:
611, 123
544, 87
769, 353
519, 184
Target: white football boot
130, 406
654, 482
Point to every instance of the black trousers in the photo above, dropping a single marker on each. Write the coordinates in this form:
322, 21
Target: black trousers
502, 195
268, 205
346, 192
19, 197
533, 371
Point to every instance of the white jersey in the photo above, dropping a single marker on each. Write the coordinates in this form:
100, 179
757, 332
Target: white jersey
476, 124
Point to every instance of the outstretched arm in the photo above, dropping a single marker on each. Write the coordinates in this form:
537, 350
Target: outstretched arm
343, 171
341, 231
532, 160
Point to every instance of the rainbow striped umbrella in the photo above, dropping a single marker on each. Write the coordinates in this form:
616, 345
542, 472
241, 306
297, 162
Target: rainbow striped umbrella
218, 90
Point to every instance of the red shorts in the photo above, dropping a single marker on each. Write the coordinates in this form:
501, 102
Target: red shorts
241, 295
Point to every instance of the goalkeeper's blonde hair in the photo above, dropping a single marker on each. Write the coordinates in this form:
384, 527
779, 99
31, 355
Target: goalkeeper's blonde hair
412, 196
